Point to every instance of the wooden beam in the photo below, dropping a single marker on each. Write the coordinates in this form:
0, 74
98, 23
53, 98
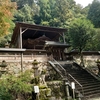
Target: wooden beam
44, 30
24, 30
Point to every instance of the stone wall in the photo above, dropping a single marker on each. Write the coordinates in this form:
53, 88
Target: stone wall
89, 60
14, 62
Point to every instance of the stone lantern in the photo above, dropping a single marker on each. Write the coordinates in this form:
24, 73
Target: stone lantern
35, 67
7, 45
3, 66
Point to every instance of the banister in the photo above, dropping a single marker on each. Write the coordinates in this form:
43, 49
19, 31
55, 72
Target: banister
77, 82
60, 66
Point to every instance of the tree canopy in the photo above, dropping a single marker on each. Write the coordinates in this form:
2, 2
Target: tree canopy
94, 13
80, 32
6, 15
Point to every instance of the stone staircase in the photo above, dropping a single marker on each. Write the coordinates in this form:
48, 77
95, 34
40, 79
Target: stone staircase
87, 84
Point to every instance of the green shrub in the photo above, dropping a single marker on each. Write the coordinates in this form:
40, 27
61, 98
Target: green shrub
10, 86
4, 94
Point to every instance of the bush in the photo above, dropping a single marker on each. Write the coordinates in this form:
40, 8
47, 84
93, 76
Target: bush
11, 86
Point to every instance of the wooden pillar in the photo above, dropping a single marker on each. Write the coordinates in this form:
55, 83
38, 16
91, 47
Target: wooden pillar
21, 61
52, 52
63, 54
64, 38
18, 41
20, 37
60, 55
21, 48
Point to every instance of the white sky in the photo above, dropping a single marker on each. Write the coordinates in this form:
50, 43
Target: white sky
84, 3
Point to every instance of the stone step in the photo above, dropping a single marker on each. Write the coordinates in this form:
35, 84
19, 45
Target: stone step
91, 86
91, 93
88, 87
91, 89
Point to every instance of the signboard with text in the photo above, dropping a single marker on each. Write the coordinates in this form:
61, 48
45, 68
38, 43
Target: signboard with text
36, 89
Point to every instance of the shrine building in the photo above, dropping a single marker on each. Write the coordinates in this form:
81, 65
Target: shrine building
39, 38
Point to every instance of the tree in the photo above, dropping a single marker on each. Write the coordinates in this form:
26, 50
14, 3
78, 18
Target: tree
21, 3
54, 13
26, 9
85, 10
44, 13
61, 13
6, 15
94, 13
80, 33
25, 14
95, 43
5, 39
79, 11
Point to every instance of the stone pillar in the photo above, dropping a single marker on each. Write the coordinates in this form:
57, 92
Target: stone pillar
66, 85
79, 96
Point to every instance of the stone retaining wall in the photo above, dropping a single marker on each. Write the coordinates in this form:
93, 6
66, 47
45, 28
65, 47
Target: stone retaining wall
89, 60
14, 62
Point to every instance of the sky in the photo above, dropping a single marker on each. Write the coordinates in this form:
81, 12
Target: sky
84, 3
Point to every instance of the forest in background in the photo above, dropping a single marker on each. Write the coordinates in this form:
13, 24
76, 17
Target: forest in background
84, 22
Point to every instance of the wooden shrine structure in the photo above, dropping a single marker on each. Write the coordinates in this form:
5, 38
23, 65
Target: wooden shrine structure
39, 38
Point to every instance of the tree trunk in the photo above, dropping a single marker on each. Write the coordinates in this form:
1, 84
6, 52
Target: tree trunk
81, 59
